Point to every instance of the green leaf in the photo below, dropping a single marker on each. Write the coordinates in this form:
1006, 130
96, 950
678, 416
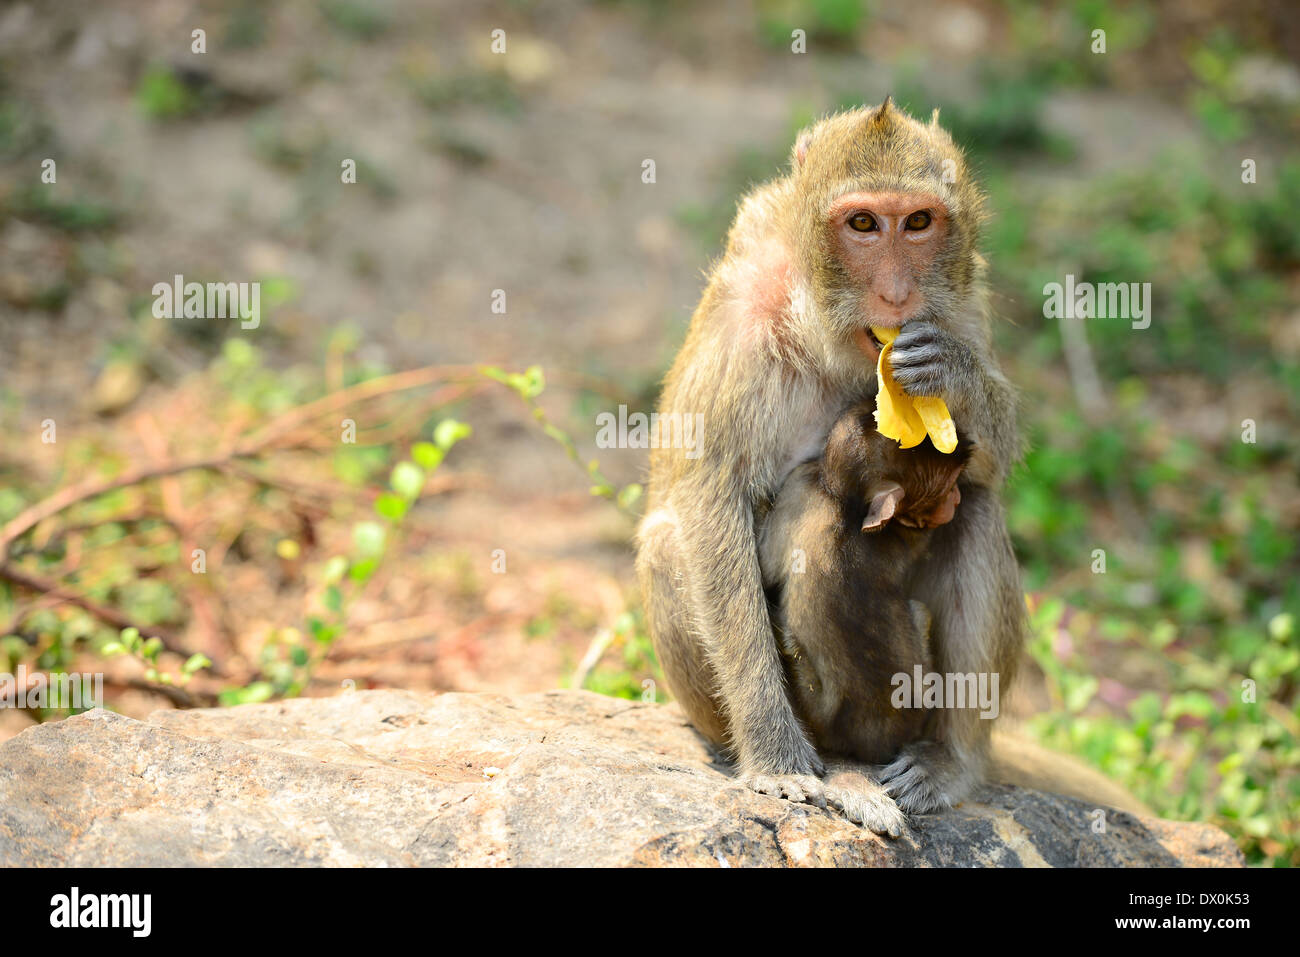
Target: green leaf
427, 455
335, 569
334, 598
130, 638
408, 479
368, 537
629, 495
322, 632
195, 662
250, 694
448, 432
534, 382
299, 656
363, 569
278, 290
112, 648
151, 648
390, 506
528, 384
1079, 692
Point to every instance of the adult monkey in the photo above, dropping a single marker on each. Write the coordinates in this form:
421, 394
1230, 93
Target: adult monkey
875, 226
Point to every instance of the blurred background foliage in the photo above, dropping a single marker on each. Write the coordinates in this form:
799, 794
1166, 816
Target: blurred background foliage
1170, 661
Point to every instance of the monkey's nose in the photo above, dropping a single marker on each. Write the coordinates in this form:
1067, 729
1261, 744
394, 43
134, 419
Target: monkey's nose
897, 296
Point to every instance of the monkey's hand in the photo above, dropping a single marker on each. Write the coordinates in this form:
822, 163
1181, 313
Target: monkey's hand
863, 801
926, 777
928, 360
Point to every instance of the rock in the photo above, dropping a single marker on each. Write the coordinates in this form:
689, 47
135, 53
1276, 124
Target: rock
398, 778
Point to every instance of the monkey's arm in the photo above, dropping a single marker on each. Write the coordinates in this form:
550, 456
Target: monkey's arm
931, 360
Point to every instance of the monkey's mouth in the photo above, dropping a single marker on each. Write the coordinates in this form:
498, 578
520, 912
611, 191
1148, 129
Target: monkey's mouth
867, 343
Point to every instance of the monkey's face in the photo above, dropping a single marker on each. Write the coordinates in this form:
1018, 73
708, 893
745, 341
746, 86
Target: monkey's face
888, 221
887, 243
915, 487
876, 478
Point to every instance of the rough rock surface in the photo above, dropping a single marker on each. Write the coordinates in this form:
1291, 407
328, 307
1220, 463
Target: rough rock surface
396, 778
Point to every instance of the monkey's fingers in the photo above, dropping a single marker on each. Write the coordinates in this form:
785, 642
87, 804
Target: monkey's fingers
800, 788
870, 807
904, 417
896, 416
913, 785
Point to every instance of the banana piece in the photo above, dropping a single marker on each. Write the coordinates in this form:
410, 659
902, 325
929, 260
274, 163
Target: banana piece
909, 419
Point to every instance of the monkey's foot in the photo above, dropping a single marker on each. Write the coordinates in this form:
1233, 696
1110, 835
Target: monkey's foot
863, 801
925, 777
800, 788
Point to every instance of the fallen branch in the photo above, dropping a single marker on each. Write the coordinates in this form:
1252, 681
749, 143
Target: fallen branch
396, 382
29, 518
104, 613
181, 697
595, 651
250, 447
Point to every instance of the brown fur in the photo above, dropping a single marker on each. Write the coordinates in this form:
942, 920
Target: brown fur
837, 552
770, 373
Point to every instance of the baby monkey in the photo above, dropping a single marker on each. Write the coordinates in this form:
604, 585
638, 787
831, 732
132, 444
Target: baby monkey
837, 552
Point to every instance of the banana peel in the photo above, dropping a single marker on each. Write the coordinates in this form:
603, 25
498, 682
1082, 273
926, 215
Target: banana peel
905, 418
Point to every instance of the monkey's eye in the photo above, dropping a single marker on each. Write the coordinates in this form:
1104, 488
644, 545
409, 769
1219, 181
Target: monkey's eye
918, 220
862, 222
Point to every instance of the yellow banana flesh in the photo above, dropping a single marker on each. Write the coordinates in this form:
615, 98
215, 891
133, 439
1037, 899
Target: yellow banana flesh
905, 418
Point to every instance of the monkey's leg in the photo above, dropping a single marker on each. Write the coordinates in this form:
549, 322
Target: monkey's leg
971, 584
729, 610
661, 573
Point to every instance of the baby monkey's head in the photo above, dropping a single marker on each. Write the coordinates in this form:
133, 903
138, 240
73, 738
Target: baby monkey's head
870, 474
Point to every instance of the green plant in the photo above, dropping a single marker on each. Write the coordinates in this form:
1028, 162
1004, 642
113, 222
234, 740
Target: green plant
289, 659
146, 651
1221, 742
162, 95
364, 21
528, 385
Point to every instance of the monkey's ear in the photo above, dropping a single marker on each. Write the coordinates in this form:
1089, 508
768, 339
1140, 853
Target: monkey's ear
885, 499
801, 148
